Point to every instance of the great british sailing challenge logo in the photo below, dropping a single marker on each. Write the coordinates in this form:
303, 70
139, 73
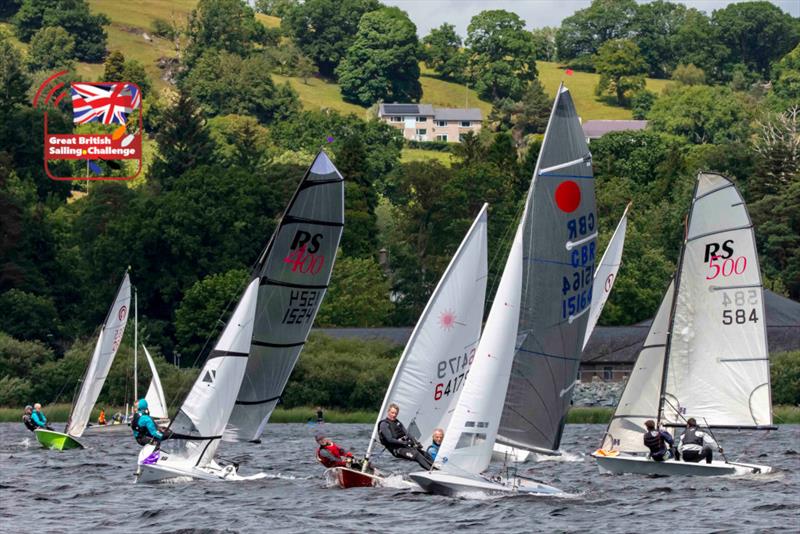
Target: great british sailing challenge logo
108, 119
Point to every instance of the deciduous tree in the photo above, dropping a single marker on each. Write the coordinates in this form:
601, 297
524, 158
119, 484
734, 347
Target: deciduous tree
621, 69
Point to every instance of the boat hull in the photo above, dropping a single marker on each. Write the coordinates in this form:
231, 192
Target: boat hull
452, 485
56, 440
156, 467
350, 478
117, 430
623, 464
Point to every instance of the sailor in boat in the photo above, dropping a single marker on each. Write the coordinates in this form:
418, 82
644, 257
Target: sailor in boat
101, 419
144, 428
27, 420
657, 441
400, 444
696, 445
38, 417
436, 438
330, 454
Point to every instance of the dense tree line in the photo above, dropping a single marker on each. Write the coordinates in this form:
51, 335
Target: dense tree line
231, 146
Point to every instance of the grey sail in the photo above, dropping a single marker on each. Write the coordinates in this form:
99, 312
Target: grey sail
559, 251
293, 273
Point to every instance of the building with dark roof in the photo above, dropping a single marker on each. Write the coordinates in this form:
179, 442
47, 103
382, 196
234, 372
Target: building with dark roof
597, 129
423, 122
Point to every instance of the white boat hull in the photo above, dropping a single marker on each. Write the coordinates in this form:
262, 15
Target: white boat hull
154, 466
640, 465
453, 485
505, 453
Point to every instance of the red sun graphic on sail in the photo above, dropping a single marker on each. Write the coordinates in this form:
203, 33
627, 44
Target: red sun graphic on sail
568, 196
447, 319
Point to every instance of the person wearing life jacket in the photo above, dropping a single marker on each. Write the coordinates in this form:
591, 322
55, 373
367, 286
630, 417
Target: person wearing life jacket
27, 420
330, 454
393, 435
696, 445
38, 417
143, 426
659, 442
101, 419
437, 437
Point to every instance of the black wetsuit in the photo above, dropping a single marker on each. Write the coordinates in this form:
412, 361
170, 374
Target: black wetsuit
394, 437
29, 424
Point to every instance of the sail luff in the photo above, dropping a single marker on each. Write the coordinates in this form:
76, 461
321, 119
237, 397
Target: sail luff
467, 330
156, 400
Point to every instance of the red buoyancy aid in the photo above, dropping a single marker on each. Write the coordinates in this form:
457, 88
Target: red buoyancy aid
335, 450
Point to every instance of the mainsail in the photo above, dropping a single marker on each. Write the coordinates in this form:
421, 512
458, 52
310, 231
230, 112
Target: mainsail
103, 356
606, 274
294, 275
718, 366
470, 436
252, 359
559, 246
433, 368
156, 402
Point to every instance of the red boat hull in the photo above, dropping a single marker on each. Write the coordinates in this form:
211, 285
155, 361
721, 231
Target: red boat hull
350, 478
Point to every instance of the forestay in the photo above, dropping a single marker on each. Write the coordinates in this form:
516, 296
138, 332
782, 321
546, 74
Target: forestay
103, 356
718, 367
640, 399
470, 436
606, 274
434, 366
156, 401
559, 247
294, 275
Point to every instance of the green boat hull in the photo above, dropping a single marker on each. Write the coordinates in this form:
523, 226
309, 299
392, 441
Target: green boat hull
56, 440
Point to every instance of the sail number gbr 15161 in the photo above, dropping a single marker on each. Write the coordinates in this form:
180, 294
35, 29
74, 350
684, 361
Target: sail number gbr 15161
741, 307
458, 369
576, 286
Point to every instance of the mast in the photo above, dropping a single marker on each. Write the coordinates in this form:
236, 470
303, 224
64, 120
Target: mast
135, 345
662, 392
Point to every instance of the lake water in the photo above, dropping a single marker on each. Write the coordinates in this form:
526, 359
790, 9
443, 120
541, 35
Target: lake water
92, 490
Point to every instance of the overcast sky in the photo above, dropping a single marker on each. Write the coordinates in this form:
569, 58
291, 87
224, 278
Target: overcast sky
428, 14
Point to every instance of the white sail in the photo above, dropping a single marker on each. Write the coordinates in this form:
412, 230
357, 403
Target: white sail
640, 399
208, 406
718, 367
433, 368
156, 401
472, 431
606, 274
103, 356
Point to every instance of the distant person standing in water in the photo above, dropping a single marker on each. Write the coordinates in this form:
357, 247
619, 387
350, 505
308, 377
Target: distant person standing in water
101, 419
320, 415
27, 420
696, 445
395, 438
39, 418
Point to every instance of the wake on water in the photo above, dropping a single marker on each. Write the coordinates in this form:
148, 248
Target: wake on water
565, 456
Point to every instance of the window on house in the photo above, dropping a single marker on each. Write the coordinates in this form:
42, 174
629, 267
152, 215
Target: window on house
396, 118
422, 131
608, 373
441, 137
441, 124
466, 124
422, 119
461, 138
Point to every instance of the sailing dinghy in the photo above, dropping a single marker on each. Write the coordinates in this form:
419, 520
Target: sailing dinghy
96, 372
435, 363
705, 355
529, 353
250, 364
604, 277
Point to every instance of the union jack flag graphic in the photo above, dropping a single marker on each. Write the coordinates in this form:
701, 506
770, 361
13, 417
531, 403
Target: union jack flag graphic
108, 103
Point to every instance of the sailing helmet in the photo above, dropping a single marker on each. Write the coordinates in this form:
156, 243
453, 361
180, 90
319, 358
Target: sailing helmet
142, 404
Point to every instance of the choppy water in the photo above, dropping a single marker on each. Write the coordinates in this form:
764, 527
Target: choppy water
92, 490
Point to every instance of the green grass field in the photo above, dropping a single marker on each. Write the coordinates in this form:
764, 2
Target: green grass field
416, 154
